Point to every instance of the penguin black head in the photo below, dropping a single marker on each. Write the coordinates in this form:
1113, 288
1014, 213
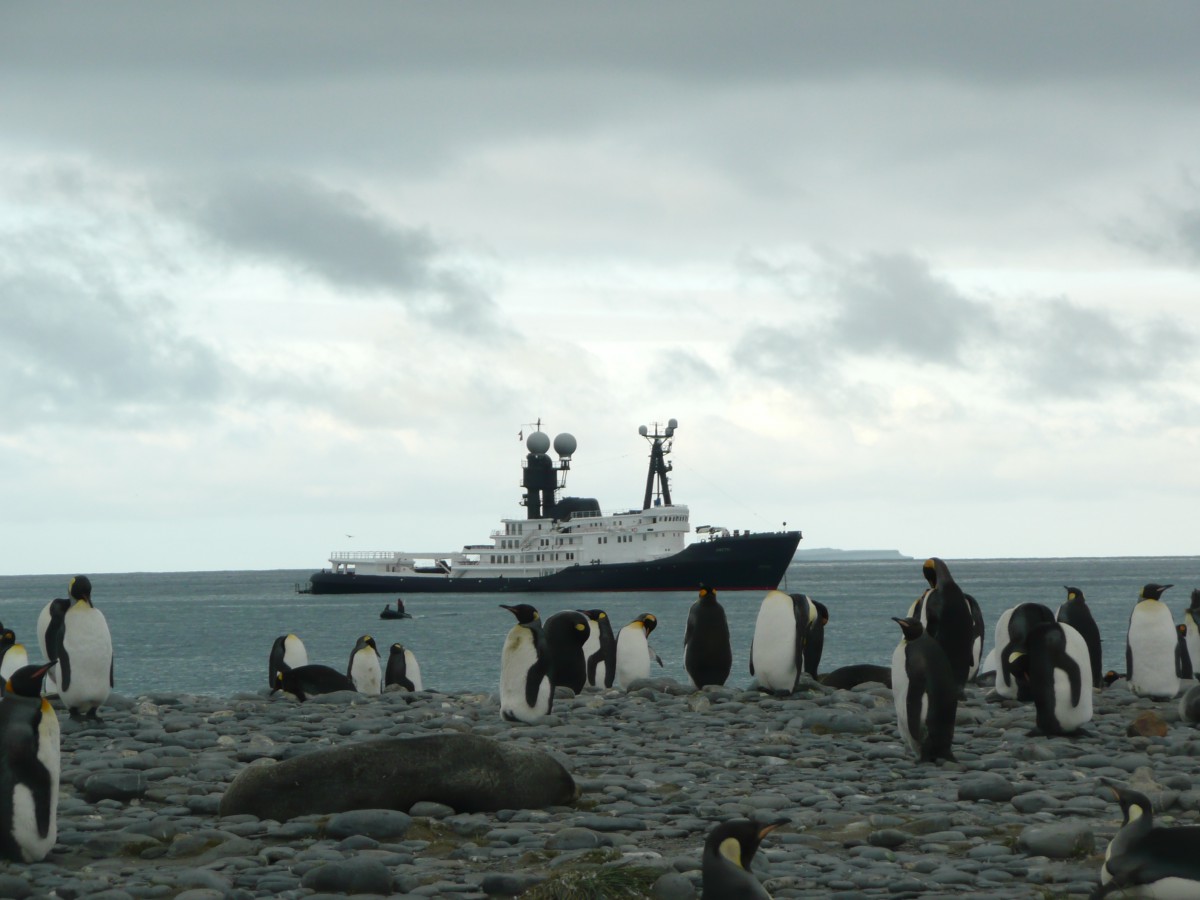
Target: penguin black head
1018, 665
397, 648
7, 637
1195, 604
1153, 591
737, 840
365, 641
1074, 594
822, 612
1134, 804
1110, 676
526, 614
597, 614
1182, 630
649, 622
27, 680
707, 593
81, 588
910, 628
929, 570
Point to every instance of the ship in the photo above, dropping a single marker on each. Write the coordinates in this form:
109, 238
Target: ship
567, 544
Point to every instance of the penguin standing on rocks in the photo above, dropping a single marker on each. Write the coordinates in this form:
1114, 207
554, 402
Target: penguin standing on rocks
634, 653
600, 649
49, 628
925, 693
814, 644
566, 632
707, 654
1012, 628
1145, 860
1183, 660
29, 767
286, 653
1056, 663
365, 668
1076, 613
1191, 618
13, 656
947, 617
725, 864
80, 641
303, 682
1150, 646
526, 693
780, 639
402, 669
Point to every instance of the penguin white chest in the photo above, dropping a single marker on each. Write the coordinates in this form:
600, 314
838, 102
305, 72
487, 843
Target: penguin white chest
774, 652
412, 669
294, 654
519, 656
1152, 644
590, 648
633, 655
366, 671
87, 644
28, 834
16, 658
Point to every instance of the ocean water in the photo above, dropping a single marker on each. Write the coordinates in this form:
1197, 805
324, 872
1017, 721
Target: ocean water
211, 632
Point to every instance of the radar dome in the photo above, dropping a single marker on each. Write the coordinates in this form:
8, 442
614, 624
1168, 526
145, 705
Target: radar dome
643, 430
672, 423
565, 444
538, 442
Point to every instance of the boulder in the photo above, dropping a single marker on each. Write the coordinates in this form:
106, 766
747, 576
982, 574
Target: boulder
466, 772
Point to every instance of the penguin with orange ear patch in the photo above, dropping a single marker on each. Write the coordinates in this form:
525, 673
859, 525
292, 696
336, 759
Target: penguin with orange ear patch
29, 767
725, 865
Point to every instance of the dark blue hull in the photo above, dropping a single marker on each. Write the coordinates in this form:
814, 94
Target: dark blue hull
749, 562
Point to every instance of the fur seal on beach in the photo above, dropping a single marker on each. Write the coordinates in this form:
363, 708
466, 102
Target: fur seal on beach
403, 669
526, 693
1150, 646
466, 772
303, 682
29, 767
365, 668
633, 650
286, 653
925, 693
707, 654
725, 864
566, 632
81, 643
1055, 662
600, 649
1075, 612
847, 677
1146, 860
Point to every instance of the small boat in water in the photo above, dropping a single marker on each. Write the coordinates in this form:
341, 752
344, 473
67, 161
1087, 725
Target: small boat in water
567, 544
397, 613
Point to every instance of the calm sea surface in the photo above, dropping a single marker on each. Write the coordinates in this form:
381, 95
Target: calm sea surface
211, 632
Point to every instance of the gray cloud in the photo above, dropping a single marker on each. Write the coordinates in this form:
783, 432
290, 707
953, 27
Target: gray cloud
337, 237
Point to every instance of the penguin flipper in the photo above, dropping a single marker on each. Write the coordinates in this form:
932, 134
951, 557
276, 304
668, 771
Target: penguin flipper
1128, 660
64, 668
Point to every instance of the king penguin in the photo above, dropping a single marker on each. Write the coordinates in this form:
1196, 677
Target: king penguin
1150, 646
780, 637
634, 653
925, 693
566, 632
49, 628
81, 643
600, 650
1075, 612
1183, 660
286, 653
707, 654
1191, 618
403, 669
947, 617
13, 656
1012, 628
29, 767
1145, 860
365, 668
1056, 663
525, 690
725, 864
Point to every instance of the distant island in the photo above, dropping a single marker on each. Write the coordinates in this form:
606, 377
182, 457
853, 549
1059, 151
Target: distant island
831, 554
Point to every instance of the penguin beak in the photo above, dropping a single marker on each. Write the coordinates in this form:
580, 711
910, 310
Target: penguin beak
766, 828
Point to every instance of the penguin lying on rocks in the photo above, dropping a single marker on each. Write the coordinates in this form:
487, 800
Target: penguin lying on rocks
725, 865
1145, 860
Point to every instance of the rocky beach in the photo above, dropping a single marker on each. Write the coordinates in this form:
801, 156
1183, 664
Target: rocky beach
1015, 816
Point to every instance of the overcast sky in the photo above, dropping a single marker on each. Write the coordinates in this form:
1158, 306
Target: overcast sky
278, 279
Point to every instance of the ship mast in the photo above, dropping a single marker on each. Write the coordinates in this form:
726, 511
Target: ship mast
540, 477
658, 489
